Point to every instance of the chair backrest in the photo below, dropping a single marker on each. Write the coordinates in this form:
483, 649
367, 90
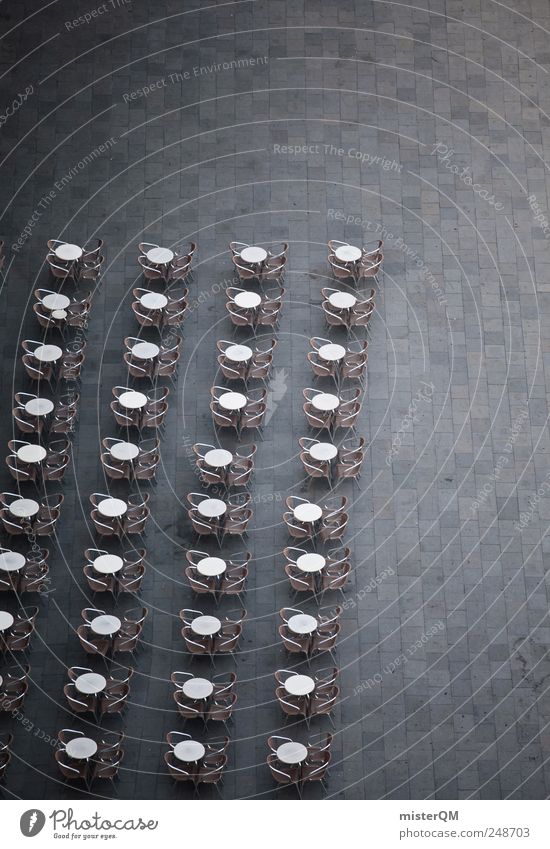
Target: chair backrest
149, 271
72, 770
282, 773
177, 769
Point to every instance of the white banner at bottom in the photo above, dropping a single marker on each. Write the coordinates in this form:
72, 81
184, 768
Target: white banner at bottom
387, 824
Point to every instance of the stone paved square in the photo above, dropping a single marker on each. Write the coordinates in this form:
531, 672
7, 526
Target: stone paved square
422, 125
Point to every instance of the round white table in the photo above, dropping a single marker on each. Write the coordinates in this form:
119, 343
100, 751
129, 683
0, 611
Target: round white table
232, 401
39, 407
211, 567
248, 300
11, 561
90, 683
145, 351
124, 451
47, 353
56, 302
238, 353
206, 626
105, 625
307, 512
160, 256
310, 562
323, 451
326, 402
59, 314
112, 508
132, 400
299, 685
6, 620
332, 353
31, 453
153, 301
108, 564
81, 748
302, 623
211, 508
24, 508
68, 252
189, 751
197, 688
348, 253
342, 300
253, 255
218, 458
292, 753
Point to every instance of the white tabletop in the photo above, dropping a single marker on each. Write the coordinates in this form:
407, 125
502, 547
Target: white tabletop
302, 623
160, 256
108, 564
153, 301
105, 625
124, 451
310, 562
24, 508
292, 753
68, 252
253, 254
232, 401
132, 400
112, 508
189, 751
145, 351
58, 314
6, 620
39, 407
323, 451
218, 458
238, 353
11, 561
332, 352
81, 748
56, 302
348, 253
211, 566
299, 685
211, 508
307, 512
342, 300
197, 688
247, 300
325, 401
47, 353
90, 683
31, 453
206, 625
